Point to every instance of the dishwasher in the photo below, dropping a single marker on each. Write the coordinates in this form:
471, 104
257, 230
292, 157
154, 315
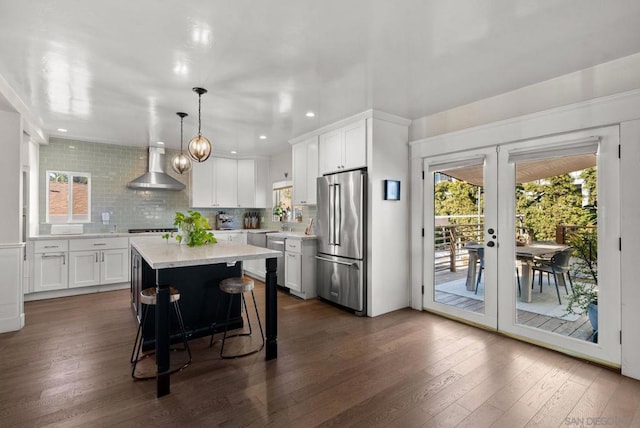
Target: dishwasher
274, 243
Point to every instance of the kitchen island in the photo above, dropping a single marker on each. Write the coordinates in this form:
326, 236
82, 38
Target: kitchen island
198, 270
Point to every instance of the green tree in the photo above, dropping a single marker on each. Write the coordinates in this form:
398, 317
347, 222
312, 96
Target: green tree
457, 198
549, 202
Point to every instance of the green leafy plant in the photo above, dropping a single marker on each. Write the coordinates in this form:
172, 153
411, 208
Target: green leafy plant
584, 271
194, 228
278, 210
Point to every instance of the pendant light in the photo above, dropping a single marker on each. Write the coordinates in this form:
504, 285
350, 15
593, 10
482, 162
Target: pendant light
181, 163
199, 146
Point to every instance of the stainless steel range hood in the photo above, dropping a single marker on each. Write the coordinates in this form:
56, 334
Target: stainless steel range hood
156, 178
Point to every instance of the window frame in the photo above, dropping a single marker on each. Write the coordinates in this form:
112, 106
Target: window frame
70, 215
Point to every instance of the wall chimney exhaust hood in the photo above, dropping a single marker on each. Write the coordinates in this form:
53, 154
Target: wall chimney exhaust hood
156, 178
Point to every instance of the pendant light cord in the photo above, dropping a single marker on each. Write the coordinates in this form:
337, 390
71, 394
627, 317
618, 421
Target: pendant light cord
199, 114
181, 138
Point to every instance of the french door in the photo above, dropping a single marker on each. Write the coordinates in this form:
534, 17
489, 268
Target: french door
478, 203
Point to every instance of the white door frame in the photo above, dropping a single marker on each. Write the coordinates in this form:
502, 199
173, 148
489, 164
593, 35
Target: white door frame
500, 292
488, 157
607, 350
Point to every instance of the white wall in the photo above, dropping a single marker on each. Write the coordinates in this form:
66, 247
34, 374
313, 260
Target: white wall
11, 248
630, 226
280, 164
10, 171
605, 79
388, 223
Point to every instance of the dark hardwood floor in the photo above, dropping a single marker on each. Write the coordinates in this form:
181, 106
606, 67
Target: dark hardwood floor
70, 367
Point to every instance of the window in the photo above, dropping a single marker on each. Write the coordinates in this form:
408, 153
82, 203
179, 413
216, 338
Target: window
68, 197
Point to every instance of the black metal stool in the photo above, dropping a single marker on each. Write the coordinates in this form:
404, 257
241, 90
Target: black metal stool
232, 287
148, 297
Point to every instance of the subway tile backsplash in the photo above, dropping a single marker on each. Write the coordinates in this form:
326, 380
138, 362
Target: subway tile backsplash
111, 168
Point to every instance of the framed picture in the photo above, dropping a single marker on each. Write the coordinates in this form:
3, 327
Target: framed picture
391, 190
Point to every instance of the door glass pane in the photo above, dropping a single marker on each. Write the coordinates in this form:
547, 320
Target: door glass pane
556, 244
458, 234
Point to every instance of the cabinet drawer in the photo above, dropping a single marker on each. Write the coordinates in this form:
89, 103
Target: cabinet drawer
98, 244
293, 245
52, 246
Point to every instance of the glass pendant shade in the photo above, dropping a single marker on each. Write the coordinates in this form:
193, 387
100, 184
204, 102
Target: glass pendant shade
200, 148
181, 162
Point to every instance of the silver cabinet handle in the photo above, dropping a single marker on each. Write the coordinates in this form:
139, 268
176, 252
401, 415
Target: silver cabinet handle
336, 261
102, 257
51, 246
96, 257
291, 255
98, 244
52, 256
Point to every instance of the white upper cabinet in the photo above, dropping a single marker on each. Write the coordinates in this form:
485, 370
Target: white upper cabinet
226, 182
202, 184
344, 148
246, 183
229, 183
305, 171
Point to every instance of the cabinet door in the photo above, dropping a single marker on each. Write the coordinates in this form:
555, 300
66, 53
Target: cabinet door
330, 152
300, 188
84, 268
246, 183
226, 182
50, 271
292, 271
114, 266
355, 145
238, 238
202, 186
312, 170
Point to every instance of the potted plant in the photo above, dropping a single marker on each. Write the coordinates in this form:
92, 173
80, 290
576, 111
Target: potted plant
278, 211
193, 229
584, 272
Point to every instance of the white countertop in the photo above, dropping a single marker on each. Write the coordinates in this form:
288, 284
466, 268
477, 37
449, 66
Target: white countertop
292, 235
161, 254
131, 235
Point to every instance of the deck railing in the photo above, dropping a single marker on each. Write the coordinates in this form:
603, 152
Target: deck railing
449, 244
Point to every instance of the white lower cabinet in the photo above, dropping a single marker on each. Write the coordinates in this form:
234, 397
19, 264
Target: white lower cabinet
50, 265
300, 267
98, 261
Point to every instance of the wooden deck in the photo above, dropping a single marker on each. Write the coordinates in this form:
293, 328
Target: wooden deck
579, 329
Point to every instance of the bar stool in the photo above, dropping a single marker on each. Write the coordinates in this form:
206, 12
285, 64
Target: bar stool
232, 287
149, 297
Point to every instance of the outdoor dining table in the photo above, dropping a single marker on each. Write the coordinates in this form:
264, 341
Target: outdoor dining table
525, 253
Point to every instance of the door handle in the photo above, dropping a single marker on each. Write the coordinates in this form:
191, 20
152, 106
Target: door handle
336, 261
491, 244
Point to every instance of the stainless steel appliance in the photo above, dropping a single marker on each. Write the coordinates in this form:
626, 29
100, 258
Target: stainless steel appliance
275, 243
341, 230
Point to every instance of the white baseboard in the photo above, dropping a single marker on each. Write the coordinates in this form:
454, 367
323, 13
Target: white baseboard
74, 291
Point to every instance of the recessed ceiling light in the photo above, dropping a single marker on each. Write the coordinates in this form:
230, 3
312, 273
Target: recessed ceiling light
263, 137
161, 143
62, 130
233, 152
310, 114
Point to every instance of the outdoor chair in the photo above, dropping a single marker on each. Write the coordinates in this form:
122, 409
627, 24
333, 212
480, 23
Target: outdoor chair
558, 265
480, 268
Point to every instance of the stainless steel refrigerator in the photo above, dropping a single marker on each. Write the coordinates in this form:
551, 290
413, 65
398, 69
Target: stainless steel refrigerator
341, 230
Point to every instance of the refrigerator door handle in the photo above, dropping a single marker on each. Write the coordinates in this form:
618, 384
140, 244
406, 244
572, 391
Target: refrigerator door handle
331, 213
336, 261
338, 214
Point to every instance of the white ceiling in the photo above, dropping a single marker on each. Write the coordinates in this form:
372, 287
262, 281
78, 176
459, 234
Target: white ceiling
117, 71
